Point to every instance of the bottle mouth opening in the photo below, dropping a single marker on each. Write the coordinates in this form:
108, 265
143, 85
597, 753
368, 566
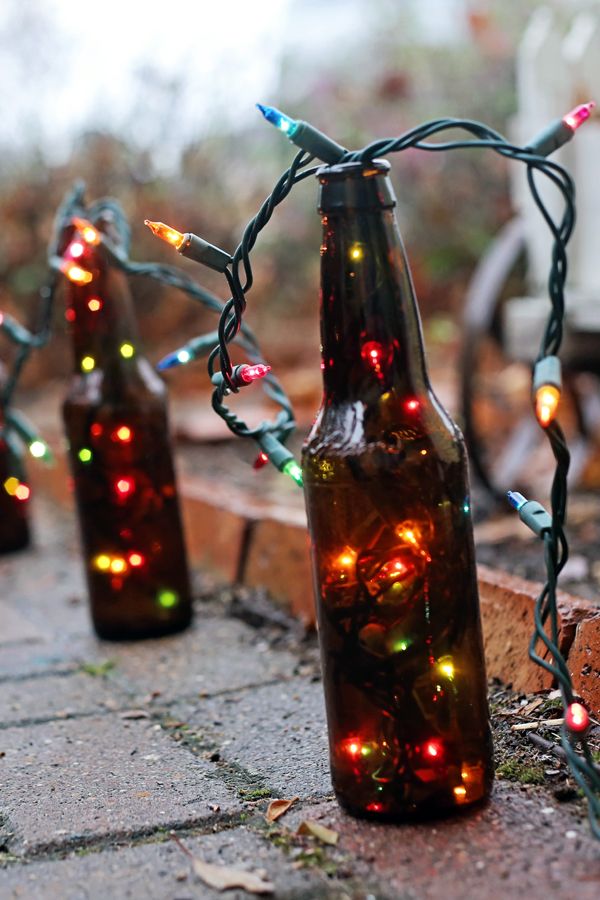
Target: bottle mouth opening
338, 171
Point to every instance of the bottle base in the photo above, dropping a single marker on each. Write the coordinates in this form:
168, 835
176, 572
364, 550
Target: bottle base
160, 629
434, 811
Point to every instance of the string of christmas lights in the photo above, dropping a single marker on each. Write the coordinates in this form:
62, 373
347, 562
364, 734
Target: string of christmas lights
267, 432
17, 433
546, 375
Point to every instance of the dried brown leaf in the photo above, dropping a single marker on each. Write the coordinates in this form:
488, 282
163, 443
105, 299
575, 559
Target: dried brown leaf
320, 832
277, 808
222, 878
134, 714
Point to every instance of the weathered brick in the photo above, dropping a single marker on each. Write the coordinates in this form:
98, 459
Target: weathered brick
507, 606
76, 779
584, 661
214, 527
507, 849
279, 560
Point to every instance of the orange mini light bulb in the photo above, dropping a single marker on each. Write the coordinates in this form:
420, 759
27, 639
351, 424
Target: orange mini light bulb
166, 233
546, 389
547, 398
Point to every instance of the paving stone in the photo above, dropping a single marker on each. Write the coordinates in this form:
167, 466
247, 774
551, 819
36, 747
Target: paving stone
163, 872
83, 778
216, 654
56, 696
23, 660
276, 732
520, 845
15, 627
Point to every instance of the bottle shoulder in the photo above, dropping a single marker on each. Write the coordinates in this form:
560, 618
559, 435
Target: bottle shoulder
394, 433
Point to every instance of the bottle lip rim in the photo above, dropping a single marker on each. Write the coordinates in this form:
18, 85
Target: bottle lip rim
368, 168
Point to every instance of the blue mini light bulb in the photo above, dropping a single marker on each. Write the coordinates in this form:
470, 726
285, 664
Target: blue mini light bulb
278, 119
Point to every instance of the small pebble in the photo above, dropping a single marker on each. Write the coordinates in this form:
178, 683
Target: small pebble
547, 811
571, 835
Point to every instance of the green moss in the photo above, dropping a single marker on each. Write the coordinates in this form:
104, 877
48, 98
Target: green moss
98, 670
257, 794
513, 770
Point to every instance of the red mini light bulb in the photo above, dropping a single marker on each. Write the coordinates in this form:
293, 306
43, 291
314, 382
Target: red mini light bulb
577, 718
579, 115
433, 750
123, 433
248, 374
124, 487
261, 460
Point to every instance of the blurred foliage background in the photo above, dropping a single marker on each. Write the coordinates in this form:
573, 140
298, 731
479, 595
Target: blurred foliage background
387, 77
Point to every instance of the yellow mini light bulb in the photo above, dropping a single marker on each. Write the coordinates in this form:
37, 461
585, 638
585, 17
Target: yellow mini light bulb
87, 231
75, 273
547, 398
166, 233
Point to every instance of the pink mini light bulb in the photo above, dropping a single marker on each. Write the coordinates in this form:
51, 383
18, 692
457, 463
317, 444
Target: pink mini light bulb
579, 115
248, 374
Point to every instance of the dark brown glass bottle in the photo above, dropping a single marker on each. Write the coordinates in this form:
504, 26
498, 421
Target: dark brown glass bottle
388, 507
115, 417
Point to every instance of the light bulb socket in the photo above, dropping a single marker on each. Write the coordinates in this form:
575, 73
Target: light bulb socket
547, 371
535, 517
193, 247
311, 140
552, 138
278, 454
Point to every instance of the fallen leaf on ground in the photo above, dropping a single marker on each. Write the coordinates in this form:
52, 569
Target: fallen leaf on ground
320, 832
526, 710
142, 794
224, 877
277, 808
134, 714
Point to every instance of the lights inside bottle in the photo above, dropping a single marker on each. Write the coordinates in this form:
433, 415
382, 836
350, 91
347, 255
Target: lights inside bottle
94, 304
445, 667
85, 455
433, 750
88, 364
372, 353
356, 252
547, 399
124, 487
123, 433
75, 273
39, 449
75, 249
166, 233
87, 231
577, 718
136, 560
17, 489
127, 350
412, 405
576, 117
116, 564
167, 598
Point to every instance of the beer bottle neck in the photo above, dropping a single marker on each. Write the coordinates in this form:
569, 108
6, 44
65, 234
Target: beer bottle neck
370, 325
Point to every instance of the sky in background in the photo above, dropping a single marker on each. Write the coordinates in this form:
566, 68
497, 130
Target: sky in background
163, 72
